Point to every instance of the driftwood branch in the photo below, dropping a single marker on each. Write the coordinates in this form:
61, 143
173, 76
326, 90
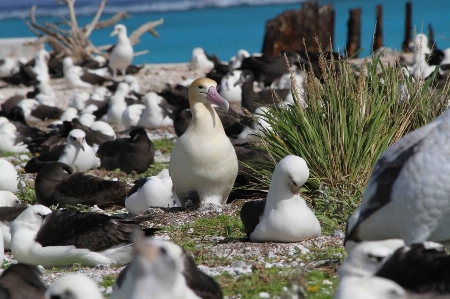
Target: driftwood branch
147, 27
112, 21
73, 18
75, 41
143, 52
90, 27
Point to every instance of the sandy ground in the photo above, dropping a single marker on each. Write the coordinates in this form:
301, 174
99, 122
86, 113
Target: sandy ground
153, 77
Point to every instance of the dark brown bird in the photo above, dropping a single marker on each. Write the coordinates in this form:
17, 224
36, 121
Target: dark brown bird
136, 153
57, 184
21, 281
251, 99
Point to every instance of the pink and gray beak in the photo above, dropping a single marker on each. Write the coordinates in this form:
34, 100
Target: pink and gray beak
214, 97
80, 142
295, 189
114, 33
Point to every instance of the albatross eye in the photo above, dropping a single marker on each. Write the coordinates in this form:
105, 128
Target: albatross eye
163, 250
73, 138
201, 87
294, 183
375, 258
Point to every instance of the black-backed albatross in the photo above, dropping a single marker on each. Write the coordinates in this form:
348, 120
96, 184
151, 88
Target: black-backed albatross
58, 184
407, 196
64, 237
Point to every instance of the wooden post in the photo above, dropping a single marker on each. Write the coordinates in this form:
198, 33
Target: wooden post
408, 27
431, 42
354, 32
326, 27
378, 38
310, 17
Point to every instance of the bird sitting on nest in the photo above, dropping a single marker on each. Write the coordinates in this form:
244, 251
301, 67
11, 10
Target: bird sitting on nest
7, 216
154, 191
203, 160
64, 237
128, 154
284, 216
57, 184
75, 76
8, 176
8, 199
122, 53
387, 269
76, 153
164, 270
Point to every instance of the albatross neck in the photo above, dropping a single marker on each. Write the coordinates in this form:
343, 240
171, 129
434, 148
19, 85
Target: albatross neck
204, 117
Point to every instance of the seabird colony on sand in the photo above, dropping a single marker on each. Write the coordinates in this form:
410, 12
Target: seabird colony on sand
203, 170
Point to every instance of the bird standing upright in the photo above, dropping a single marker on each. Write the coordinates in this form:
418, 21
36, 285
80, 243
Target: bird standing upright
203, 159
122, 53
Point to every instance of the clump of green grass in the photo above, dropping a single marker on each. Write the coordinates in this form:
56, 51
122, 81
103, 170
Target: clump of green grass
350, 119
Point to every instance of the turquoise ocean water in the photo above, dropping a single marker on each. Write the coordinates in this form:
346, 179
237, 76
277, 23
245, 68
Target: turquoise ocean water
225, 26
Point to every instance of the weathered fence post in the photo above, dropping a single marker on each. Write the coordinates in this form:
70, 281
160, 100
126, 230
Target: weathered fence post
287, 30
408, 26
354, 32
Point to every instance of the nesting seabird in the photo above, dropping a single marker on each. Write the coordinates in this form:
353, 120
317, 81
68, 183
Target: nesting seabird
86, 119
229, 89
267, 68
7, 216
76, 153
251, 99
132, 115
164, 270
203, 159
75, 76
57, 184
157, 112
116, 108
41, 67
69, 114
21, 281
420, 268
104, 128
154, 191
8, 176
8, 199
122, 53
200, 60
286, 216
128, 154
64, 237
236, 61
419, 271
406, 196
74, 286
367, 257
34, 111
11, 140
